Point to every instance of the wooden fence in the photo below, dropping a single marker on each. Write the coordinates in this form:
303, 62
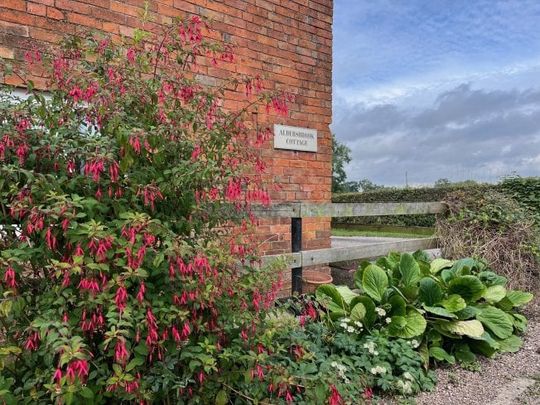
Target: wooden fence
299, 258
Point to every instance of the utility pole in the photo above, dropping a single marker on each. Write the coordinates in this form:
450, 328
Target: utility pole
406, 179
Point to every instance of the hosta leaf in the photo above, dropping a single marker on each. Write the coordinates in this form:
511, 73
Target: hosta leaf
470, 288
421, 255
519, 298
374, 282
329, 292
409, 269
346, 293
439, 354
463, 267
447, 275
468, 312
494, 294
482, 347
463, 353
440, 312
454, 303
497, 321
399, 307
472, 328
490, 278
430, 293
486, 337
511, 344
358, 313
438, 264
409, 326
520, 322
370, 316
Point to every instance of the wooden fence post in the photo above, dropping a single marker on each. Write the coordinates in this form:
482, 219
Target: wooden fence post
296, 246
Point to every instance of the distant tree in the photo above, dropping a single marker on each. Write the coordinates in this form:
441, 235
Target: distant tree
365, 185
341, 156
444, 182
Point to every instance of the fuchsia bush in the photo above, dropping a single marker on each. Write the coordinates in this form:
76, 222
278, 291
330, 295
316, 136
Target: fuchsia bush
121, 276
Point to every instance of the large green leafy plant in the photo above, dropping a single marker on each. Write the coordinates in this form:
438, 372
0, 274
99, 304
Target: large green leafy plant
450, 309
121, 275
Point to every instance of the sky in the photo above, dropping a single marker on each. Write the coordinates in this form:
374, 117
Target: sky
430, 89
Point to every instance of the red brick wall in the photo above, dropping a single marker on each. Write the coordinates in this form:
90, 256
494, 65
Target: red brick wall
288, 41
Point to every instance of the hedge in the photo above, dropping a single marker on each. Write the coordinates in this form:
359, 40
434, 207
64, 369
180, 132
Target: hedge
526, 190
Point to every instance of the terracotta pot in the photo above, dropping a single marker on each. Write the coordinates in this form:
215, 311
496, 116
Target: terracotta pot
312, 279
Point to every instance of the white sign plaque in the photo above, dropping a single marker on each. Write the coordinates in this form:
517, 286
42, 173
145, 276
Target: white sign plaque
295, 138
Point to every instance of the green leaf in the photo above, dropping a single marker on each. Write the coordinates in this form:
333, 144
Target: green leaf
358, 313
440, 311
86, 392
496, 320
494, 294
374, 282
519, 298
439, 354
454, 303
409, 326
438, 264
472, 328
470, 288
468, 312
520, 322
346, 293
511, 344
410, 270
370, 316
399, 307
463, 353
222, 398
430, 292
447, 275
329, 292
490, 278
137, 361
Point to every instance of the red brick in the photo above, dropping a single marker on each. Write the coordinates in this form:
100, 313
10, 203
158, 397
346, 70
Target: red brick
37, 9
55, 13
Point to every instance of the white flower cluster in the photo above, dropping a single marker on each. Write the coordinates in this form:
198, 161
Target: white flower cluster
371, 346
404, 386
380, 311
414, 343
378, 370
341, 369
388, 320
351, 326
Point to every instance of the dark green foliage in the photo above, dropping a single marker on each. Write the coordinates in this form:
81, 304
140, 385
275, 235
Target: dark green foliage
449, 309
525, 190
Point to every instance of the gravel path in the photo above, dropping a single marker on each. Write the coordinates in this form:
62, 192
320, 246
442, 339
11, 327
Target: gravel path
507, 380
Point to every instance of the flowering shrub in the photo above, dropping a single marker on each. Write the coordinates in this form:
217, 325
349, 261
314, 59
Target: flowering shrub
121, 275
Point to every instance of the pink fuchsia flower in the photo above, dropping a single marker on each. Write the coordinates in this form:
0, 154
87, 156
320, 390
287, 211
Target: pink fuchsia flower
32, 343
57, 376
120, 298
9, 278
120, 352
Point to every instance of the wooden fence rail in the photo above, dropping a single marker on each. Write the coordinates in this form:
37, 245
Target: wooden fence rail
306, 210
299, 258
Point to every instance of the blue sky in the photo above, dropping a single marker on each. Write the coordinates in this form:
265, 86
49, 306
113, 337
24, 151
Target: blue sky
437, 88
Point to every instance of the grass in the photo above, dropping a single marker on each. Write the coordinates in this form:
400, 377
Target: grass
409, 234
